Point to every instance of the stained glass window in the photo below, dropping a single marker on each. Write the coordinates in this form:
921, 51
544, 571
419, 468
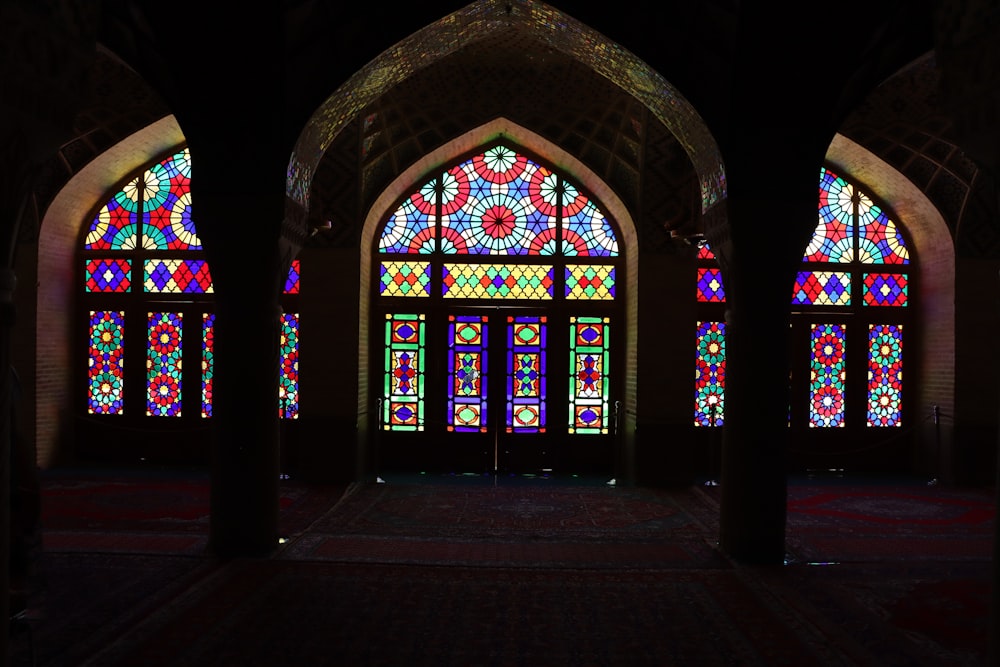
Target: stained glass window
827, 375
106, 365
590, 339
710, 374
885, 374
288, 384
856, 263
468, 369
163, 364
501, 228
403, 397
147, 224
526, 373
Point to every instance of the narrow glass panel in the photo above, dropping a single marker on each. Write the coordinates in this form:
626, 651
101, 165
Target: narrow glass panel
405, 279
108, 275
526, 385
885, 374
885, 289
177, 276
827, 376
105, 373
833, 240
589, 340
115, 226
710, 374
403, 408
166, 205
207, 362
822, 288
468, 345
497, 281
292, 281
288, 381
163, 365
595, 282
710, 288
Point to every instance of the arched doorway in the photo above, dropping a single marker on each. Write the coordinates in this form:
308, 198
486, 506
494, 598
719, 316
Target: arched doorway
495, 322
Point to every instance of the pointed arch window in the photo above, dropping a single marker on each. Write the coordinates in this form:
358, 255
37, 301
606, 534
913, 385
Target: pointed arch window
150, 302
498, 228
851, 297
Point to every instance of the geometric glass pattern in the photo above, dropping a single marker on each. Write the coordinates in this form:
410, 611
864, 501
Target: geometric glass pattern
411, 228
710, 288
827, 376
879, 239
885, 289
292, 282
163, 365
115, 226
526, 373
104, 396
166, 205
403, 407
823, 288
885, 374
710, 374
586, 230
497, 281
498, 202
468, 344
590, 281
405, 279
588, 382
288, 379
207, 362
833, 239
177, 276
496, 206
108, 275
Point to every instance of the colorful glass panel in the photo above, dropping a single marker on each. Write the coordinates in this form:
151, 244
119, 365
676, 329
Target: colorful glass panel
288, 379
468, 347
885, 374
885, 289
177, 276
166, 205
116, 224
497, 281
834, 236
207, 362
106, 366
828, 375
294, 276
500, 212
410, 229
879, 239
710, 288
526, 374
822, 288
403, 396
589, 359
710, 374
164, 353
585, 229
704, 252
595, 282
405, 279
108, 275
